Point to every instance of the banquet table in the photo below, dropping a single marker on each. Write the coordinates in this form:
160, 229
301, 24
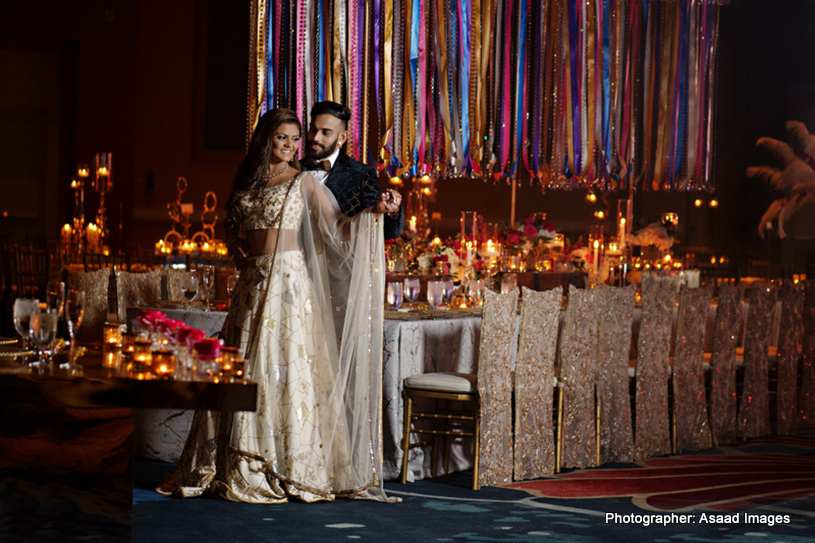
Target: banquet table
413, 343
66, 444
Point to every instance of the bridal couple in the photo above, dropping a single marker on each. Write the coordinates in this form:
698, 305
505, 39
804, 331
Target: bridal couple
307, 315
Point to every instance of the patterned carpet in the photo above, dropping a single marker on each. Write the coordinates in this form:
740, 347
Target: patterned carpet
760, 491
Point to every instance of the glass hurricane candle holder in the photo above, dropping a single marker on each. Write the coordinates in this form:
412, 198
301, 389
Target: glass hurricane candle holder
163, 361
238, 368
128, 342
112, 334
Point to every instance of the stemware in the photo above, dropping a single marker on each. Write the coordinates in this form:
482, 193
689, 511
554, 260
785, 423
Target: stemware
43, 331
208, 277
23, 309
476, 288
189, 287
508, 282
55, 297
231, 282
74, 310
435, 295
411, 287
395, 295
447, 288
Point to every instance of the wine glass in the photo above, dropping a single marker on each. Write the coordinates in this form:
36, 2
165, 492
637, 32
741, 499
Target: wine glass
447, 287
477, 291
23, 309
208, 277
189, 287
395, 295
43, 332
411, 287
435, 296
74, 310
55, 297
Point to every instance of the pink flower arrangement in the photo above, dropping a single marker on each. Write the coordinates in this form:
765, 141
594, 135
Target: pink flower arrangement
175, 330
208, 349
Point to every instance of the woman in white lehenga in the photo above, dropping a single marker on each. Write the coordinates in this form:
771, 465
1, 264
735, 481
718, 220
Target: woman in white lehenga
306, 314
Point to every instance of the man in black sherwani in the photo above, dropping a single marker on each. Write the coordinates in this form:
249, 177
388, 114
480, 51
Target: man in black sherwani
354, 184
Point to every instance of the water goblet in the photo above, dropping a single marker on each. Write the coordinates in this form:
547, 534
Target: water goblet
477, 292
411, 288
435, 295
189, 287
447, 288
55, 297
395, 295
23, 309
43, 332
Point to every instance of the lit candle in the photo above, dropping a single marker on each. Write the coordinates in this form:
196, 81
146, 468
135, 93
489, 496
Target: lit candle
412, 224
65, 234
111, 358
112, 334
163, 361
596, 255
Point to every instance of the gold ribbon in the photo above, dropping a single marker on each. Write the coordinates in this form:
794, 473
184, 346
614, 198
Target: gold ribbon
387, 52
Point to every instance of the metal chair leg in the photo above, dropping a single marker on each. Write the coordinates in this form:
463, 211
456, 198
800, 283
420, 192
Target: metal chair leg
559, 432
406, 435
477, 443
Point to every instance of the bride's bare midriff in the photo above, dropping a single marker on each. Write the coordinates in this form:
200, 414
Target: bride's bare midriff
264, 242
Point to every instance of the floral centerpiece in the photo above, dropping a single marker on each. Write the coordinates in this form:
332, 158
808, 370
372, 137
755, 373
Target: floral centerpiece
175, 331
655, 239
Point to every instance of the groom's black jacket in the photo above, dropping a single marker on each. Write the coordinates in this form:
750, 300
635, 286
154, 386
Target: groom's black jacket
356, 187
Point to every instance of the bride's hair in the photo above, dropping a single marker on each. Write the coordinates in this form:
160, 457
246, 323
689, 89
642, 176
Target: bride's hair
256, 162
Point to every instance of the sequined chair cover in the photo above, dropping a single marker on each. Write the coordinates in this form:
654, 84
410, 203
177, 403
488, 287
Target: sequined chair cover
490, 390
95, 284
723, 364
578, 361
615, 312
806, 401
652, 432
690, 411
792, 307
754, 412
136, 290
495, 359
174, 282
534, 377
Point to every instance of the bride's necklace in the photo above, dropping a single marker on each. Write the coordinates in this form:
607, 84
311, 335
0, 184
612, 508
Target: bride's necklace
268, 176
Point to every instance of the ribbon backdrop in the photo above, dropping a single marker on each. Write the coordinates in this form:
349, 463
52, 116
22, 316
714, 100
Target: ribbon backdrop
605, 93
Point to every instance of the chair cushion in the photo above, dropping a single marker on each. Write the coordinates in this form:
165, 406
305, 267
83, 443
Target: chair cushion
443, 382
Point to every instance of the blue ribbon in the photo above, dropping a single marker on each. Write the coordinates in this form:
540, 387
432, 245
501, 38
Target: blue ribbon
465, 81
606, 144
320, 45
270, 68
519, 88
414, 64
575, 72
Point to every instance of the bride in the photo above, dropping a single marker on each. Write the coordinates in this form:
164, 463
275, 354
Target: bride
307, 315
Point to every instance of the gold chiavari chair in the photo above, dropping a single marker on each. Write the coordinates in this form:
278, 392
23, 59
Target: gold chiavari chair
754, 408
792, 307
577, 407
615, 312
534, 379
723, 399
32, 272
690, 410
487, 395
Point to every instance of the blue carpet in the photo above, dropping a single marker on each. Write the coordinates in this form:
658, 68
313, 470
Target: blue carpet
445, 509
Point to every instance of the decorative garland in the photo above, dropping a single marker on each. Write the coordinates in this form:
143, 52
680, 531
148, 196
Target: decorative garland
600, 93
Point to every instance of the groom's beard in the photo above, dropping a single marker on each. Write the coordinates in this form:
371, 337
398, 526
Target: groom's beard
323, 151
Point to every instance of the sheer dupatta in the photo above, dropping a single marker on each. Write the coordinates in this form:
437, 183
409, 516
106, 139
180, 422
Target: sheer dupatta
346, 263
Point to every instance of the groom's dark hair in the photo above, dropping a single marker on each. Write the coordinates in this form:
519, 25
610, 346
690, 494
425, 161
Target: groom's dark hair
332, 108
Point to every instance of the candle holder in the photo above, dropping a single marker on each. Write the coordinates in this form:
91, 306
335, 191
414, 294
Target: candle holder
102, 184
142, 361
112, 334
112, 359
128, 342
163, 361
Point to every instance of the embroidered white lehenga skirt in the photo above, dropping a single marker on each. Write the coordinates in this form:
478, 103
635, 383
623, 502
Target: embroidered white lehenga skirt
297, 442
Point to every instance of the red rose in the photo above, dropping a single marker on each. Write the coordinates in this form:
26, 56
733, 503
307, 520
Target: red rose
189, 336
530, 230
150, 319
208, 349
513, 237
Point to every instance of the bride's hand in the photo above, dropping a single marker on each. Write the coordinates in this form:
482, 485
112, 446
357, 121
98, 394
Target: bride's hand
389, 202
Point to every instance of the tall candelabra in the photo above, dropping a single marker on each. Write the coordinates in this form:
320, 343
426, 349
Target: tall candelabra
102, 184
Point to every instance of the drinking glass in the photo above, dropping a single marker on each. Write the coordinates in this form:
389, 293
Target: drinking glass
74, 310
189, 287
43, 332
435, 295
447, 287
55, 297
208, 278
508, 282
231, 282
411, 287
477, 292
395, 295
23, 309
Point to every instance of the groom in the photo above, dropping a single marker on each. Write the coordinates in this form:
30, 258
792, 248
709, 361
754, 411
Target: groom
354, 184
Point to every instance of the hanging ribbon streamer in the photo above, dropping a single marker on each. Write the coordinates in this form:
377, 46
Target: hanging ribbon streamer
602, 91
